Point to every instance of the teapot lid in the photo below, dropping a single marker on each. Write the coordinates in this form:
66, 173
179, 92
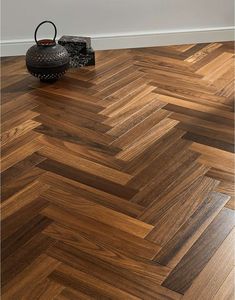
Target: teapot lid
46, 43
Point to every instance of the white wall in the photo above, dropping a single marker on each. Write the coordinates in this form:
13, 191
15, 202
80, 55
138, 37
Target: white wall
105, 19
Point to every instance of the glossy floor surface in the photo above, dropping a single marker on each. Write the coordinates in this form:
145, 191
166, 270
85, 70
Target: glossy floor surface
117, 180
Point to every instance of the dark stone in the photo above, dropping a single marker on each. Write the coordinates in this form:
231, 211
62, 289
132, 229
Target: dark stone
79, 49
90, 55
78, 40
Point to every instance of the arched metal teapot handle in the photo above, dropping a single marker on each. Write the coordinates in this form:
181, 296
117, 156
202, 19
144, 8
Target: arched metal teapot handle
35, 33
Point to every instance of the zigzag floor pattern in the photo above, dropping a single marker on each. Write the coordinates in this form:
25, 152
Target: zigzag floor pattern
117, 181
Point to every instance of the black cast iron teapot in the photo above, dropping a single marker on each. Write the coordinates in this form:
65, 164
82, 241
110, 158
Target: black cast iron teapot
47, 60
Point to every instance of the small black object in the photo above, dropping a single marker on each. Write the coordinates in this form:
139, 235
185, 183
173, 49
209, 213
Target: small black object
79, 49
47, 60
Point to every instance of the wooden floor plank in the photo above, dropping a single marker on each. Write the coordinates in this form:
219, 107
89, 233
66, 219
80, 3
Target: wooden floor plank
120, 240
26, 254
146, 249
21, 218
118, 179
192, 263
88, 179
36, 272
85, 165
88, 284
182, 241
22, 198
106, 199
170, 219
46, 289
220, 266
226, 291
128, 281
97, 212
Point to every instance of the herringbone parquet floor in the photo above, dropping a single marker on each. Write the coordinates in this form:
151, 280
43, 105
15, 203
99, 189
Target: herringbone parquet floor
117, 181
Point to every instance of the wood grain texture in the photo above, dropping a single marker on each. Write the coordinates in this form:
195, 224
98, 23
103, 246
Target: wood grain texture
216, 283
118, 180
193, 262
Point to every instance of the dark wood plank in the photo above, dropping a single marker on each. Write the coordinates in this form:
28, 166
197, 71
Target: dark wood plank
187, 234
128, 281
200, 253
88, 179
